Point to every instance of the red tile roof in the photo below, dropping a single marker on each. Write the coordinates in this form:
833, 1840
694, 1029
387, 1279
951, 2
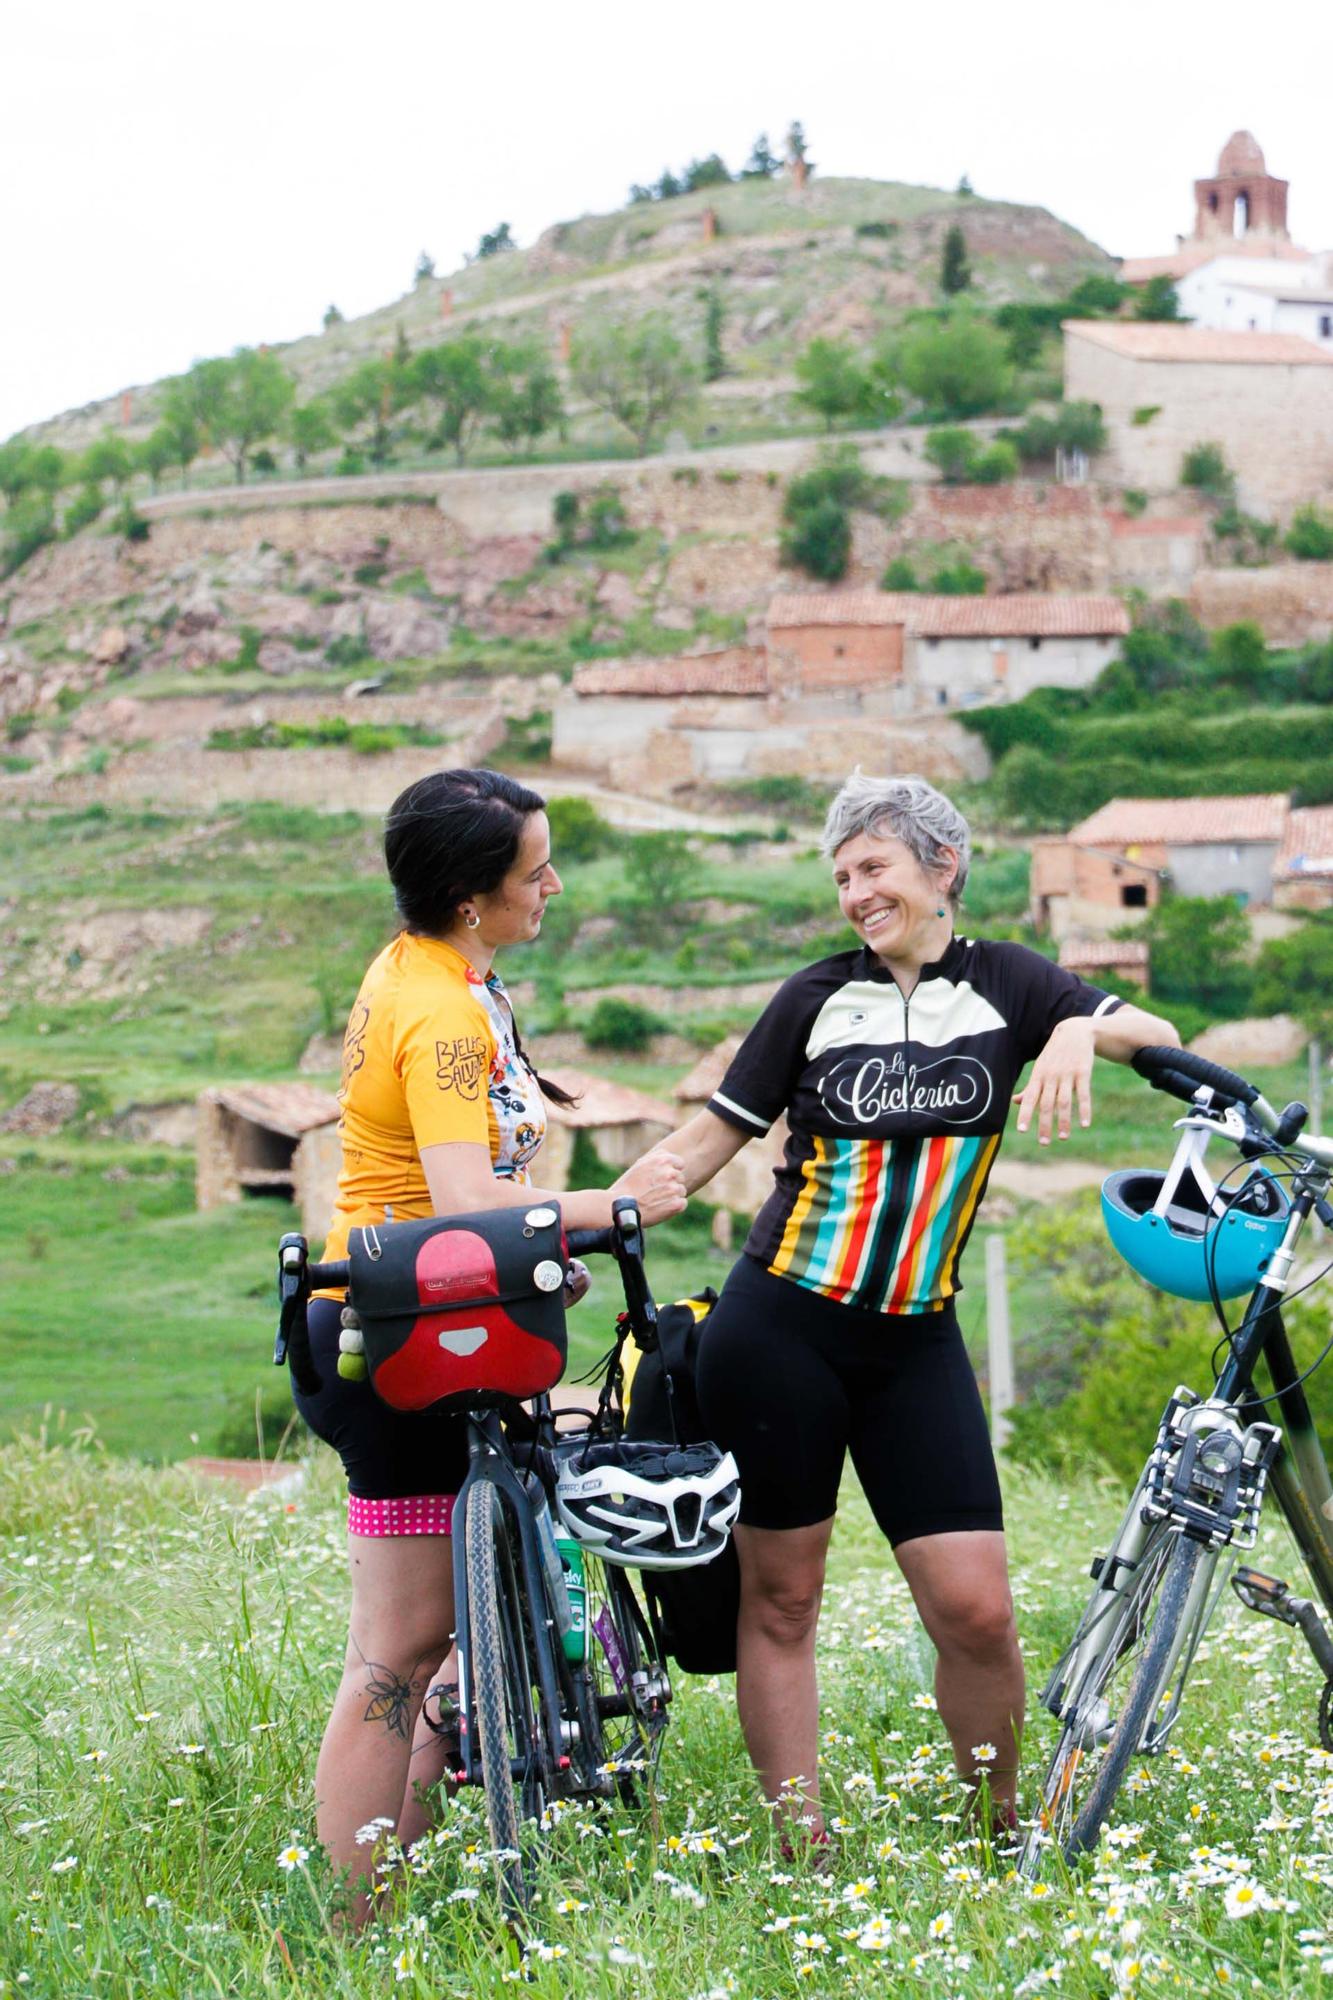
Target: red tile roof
1017, 617
1179, 264
704, 673
1307, 848
289, 1108
1185, 822
1149, 340
1086, 954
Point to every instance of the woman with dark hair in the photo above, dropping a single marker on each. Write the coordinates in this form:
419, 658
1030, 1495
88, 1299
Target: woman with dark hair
896, 1064
442, 1113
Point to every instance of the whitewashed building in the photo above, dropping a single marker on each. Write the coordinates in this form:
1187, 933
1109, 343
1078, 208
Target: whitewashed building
1268, 295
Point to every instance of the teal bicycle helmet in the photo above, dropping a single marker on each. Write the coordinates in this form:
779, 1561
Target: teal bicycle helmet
1179, 1232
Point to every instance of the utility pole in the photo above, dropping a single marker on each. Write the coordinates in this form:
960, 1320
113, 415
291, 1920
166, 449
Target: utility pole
999, 1347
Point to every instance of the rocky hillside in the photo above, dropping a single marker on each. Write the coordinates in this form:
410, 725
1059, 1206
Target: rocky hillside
842, 257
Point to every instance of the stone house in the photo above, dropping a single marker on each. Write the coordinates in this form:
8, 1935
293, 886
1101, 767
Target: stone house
909, 651
622, 1123
1303, 871
269, 1138
876, 672
1121, 960
1115, 863
1265, 398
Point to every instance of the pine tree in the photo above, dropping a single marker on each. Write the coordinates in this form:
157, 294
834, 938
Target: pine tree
955, 272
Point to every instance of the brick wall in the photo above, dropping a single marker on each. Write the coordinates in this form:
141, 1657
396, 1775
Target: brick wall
829, 656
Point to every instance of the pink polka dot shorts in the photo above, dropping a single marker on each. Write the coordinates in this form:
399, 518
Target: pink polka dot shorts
417, 1514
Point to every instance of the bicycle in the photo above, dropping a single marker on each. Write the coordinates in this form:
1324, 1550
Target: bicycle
550, 1705
1116, 1690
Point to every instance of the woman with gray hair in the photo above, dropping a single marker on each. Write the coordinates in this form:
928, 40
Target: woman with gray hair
895, 1063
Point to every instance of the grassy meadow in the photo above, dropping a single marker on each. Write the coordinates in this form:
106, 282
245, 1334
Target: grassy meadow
167, 1654
167, 1651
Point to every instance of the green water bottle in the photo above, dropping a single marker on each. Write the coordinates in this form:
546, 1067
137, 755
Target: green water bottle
575, 1640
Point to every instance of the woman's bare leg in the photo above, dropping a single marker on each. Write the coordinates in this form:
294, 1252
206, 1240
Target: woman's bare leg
961, 1587
401, 1628
782, 1582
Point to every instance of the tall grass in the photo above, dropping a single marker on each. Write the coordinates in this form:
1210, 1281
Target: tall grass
166, 1656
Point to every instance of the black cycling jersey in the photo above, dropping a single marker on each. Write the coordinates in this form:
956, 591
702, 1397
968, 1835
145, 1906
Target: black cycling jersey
896, 1108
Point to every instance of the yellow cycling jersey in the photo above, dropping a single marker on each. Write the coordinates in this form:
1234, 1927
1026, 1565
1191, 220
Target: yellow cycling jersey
430, 1057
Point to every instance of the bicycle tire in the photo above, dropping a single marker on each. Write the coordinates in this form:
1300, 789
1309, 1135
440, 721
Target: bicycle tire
502, 1685
1143, 1639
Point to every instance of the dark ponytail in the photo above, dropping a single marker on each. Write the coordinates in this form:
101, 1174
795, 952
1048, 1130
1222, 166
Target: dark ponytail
453, 835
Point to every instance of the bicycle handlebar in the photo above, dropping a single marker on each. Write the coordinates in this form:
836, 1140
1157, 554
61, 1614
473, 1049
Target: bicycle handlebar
1180, 1072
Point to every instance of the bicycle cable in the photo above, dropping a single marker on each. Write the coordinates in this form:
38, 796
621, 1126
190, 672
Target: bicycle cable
1293, 1165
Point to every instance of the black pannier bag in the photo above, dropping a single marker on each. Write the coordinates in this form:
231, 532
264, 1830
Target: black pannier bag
697, 1607
461, 1306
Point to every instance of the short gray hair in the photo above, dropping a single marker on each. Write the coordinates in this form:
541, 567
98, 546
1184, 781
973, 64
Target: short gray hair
908, 808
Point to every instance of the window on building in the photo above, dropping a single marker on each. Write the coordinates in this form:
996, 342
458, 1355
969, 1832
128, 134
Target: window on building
1034, 645
1241, 215
932, 643
838, 652
1134, 895
942, 696
1326, 326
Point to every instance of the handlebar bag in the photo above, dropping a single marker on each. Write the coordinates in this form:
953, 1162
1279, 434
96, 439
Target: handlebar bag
461, 1306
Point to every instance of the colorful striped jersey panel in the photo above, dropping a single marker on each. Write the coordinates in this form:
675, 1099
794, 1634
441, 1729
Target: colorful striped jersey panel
896, 1107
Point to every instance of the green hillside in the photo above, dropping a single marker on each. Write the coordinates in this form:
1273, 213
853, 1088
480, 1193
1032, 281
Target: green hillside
844, 257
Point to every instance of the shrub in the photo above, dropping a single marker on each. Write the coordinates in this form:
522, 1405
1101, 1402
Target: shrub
961, 367
1310, 536
1133, 501
129, 522
620, 1024
1204, 467
819, 541
1145, 413
954, 451
29, 524
82, 510
348, 650
899, 575
349, 465
608, 523
958, 579
578, 831
995, 465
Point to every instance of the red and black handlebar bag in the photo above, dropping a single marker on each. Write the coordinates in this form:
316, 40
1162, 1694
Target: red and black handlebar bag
461, 1306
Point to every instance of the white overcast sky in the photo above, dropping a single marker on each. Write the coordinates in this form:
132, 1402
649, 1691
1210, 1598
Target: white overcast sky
179, 178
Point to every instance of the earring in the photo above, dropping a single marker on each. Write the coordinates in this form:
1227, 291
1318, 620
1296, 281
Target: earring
940, 911
472, 920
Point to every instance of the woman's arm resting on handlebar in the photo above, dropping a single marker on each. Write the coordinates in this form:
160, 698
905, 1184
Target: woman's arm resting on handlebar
1062, 1073
461, 1181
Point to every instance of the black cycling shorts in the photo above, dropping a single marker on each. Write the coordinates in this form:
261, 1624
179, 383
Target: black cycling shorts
790, 1382
386, 1454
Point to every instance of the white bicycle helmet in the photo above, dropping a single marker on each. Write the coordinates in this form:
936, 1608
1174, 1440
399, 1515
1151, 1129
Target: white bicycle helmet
648, 1506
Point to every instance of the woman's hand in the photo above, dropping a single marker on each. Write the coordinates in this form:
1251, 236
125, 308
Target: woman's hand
656, 1183
577, 1280
1061, 1073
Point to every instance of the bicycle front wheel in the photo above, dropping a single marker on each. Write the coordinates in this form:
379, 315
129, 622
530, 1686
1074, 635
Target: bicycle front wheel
1116, 1711
504, 1682
627, 1684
